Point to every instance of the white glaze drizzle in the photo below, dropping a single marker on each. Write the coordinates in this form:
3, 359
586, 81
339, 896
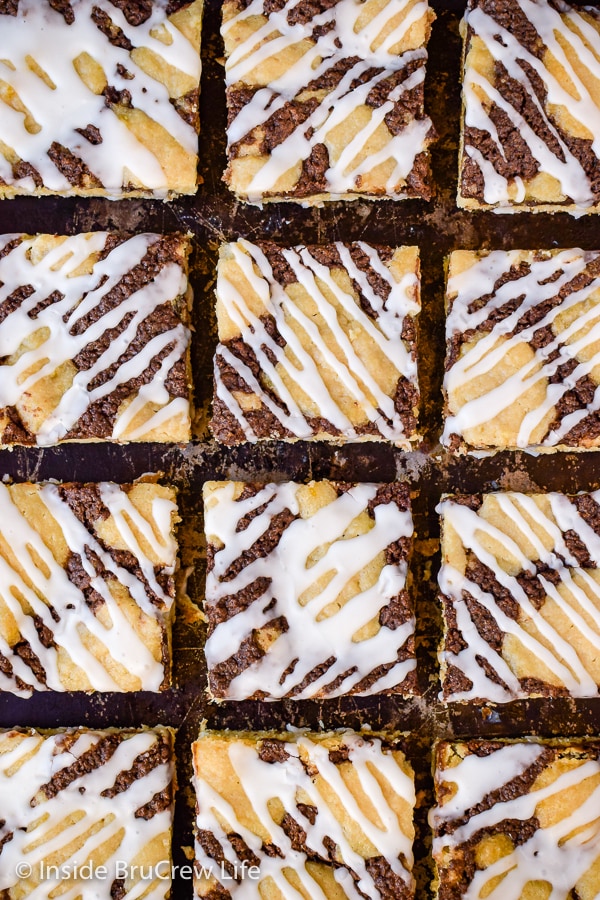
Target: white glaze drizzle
309, 640
58, 111
385, 332
344, 40
31, 822
552, 647
82, 293
289, 781
559, 853
550, 25
544, 281
49, 580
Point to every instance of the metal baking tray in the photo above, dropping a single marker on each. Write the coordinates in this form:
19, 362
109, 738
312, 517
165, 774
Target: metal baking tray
214, 215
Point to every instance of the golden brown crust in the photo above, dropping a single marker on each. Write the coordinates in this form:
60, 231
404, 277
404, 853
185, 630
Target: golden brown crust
89, 591
96, 338
316, 113
307, 590
508, 814
88, 807
522, 363
532, 103
333, 832
316, 343
521, 594
117, 116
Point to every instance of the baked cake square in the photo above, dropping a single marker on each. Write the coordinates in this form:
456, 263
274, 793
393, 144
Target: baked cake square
325, 99
86, 586
517, 820
114, 113
306, 591
523, 358
310, 815
86, 813
520, 584
94, 343
531, 106
316, 343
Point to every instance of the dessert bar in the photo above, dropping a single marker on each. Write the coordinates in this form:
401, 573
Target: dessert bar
517, 819
86, 586
520, 583
93, 338
306, 591
86, 813
325, 99
531, 106
307, 815
316, 343
523, 359
113, 112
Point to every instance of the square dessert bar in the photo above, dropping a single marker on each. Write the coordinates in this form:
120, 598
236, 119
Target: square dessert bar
87, 812
86, 586
523, 358
306, 815
517, 819
99, 98
325, 99
531, 106
316, 343
520, 584
94, 343
306, 591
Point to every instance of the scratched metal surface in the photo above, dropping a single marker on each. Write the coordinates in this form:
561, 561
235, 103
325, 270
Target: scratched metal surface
214, 215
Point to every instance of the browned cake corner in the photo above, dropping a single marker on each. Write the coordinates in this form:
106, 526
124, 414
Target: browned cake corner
531, 106
115, 113
522, 362
316, 343
313, 814
94, 337
89, 590
326, 99
516, 819
306, 592
520, 588
91, 809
